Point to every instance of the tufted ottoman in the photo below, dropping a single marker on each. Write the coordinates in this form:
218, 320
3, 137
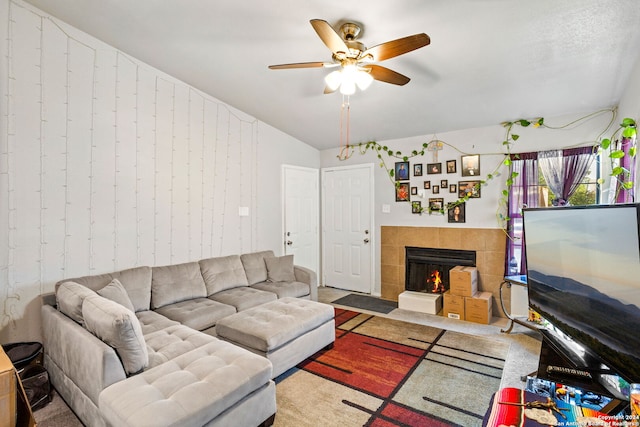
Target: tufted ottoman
285, 331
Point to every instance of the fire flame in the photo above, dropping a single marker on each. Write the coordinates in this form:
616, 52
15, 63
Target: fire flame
436, 280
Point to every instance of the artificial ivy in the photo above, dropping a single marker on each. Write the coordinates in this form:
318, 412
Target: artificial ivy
627, 129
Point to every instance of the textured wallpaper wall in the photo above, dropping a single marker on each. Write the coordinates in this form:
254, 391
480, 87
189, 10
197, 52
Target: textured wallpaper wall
107, 164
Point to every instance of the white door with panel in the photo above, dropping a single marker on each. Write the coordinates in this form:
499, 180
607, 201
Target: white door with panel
300, 223
347, 237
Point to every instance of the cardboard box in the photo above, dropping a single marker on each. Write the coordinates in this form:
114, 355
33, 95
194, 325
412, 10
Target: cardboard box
420, 301
453, 306
463, 280
14, 405
8, 388
479, 308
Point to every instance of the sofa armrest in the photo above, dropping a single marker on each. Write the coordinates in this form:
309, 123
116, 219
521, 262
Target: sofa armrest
87, 361
309, 277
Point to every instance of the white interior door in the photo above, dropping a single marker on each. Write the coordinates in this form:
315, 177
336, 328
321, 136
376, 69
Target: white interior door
301, 210
347, 237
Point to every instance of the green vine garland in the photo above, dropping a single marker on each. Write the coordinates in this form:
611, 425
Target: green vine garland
627, 129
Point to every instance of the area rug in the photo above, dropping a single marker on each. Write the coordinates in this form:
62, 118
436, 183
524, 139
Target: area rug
383, 372
366, 302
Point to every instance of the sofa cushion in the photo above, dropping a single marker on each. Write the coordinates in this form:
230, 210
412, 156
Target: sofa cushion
116, 292
137, 282
119, 327
254, 266
175, 283
284, 289
223, 273
280, 269
243, 297
167, 339
197, 313
190, 390
69, 298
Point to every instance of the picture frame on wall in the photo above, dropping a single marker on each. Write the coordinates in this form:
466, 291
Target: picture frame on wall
444, 183
451, 166
434, 168
417, 169
427, 185
470, 165
456, 213
453, 188
401, 171
416, 207
414, 191
402, 192
436, 204
435, 189
469, 189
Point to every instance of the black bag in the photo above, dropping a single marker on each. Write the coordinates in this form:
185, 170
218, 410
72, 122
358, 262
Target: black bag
27, 359
37, 387
22, 354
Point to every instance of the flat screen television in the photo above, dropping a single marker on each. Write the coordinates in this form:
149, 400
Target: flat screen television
583, 276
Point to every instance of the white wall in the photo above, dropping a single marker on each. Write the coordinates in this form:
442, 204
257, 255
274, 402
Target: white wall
107, 163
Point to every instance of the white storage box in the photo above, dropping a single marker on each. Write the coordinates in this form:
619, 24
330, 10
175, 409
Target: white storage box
420, 301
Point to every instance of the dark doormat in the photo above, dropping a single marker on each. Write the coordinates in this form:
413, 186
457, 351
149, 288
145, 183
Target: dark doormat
367, 302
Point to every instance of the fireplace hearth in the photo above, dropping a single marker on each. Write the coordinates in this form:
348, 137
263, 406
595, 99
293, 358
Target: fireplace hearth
427, 269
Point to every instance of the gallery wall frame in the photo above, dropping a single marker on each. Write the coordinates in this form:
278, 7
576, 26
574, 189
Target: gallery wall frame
401, 171
451, 166
470, 165
469, 189
402, 192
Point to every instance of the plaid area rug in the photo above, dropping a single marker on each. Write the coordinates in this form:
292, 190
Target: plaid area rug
384, 372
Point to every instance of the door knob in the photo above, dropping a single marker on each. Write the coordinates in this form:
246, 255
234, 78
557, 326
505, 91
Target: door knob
366, 240
289, 242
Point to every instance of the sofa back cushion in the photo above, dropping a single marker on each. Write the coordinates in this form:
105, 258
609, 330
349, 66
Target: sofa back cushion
116, 292
69, 298
254, 266
118, 327
280, 269
175, 283
223, 273
137, 282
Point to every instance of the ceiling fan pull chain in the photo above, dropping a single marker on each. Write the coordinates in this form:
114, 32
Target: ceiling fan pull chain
344, 140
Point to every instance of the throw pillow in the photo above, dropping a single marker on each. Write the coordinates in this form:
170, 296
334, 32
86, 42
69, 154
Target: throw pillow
118, 327
116, 292
69, 298
280, 269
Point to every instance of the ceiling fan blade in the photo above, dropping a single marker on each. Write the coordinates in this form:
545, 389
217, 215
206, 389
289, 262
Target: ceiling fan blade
386, 75
299, 65
328, 90
329, 36
397, 47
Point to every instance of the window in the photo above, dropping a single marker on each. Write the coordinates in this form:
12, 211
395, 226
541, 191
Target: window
573, 173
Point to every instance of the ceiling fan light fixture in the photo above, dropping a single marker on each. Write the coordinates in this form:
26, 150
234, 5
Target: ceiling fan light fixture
333, 79
363, 79
348, 87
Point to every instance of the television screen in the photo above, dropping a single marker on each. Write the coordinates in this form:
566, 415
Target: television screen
583, 276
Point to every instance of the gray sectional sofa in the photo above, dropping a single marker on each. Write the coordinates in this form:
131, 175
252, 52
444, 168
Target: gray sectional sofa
139, 347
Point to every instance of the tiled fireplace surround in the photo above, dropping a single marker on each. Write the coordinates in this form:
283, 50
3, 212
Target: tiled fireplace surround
489, 245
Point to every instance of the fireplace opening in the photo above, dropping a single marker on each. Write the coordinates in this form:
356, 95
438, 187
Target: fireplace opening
427, 269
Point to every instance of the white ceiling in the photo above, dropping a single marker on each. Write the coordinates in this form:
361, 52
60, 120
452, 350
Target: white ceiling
489, 60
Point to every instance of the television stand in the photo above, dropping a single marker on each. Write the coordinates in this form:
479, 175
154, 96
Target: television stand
561, 362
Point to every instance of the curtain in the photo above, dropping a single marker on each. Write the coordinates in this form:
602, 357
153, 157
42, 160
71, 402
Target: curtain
563, 170
523, 193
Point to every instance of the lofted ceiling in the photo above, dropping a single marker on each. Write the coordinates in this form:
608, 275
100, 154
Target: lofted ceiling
488, 61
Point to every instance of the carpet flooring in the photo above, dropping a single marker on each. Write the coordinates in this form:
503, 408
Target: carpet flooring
383, 372
366, 302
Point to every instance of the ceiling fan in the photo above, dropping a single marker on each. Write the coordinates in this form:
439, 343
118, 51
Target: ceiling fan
356, 61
